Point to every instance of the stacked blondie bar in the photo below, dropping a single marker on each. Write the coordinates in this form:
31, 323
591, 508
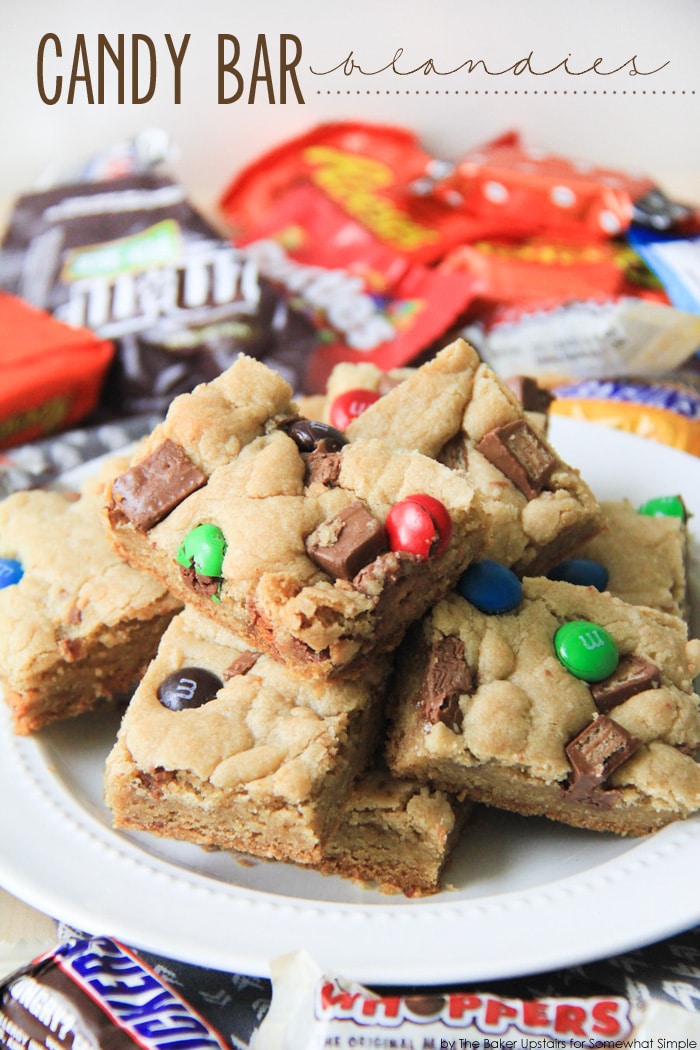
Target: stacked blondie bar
378, 625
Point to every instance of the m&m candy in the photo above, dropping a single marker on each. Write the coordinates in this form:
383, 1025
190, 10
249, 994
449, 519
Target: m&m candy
664, 507
419, 524
586, 650
584, 572
11, 571
349, 405
203, 550
188, 687
490, 586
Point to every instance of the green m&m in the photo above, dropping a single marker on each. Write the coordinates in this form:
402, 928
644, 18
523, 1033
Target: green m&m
664, 507
586, 650
203, 550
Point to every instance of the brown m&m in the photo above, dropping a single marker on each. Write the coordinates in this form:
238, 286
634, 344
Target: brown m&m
188, 687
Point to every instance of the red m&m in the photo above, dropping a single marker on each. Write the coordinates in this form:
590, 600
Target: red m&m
350, 405
419, 524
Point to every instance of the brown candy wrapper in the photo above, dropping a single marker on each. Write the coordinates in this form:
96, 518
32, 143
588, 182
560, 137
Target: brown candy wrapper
310, 1010
134, 262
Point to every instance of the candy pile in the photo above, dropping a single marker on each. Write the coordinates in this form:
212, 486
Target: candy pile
351, 242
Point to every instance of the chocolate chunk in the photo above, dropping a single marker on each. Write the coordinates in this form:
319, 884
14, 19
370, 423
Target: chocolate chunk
322, 467
154, 487
634, 674
532, 396
309, 434
520, 454
242, 664
446, 678
597, 752
188, 687
348, 542
209, 586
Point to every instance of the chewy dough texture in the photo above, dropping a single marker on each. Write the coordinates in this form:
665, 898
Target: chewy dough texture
234, 463
515, 710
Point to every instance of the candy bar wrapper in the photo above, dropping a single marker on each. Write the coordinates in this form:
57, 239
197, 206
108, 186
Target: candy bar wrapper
675, 259
664, 407
131, 260
311, 1010
52, 373
523, 192
366, 173
95, 993
40, 463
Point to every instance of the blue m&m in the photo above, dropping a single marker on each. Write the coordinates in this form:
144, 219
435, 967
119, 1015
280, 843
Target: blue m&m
586, 650
11, 571
584, 572
490, 586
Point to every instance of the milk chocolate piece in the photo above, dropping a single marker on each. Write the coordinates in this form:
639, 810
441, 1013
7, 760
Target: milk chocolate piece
520, 454
242, 664
322, 467
348, 542
633, 675
207, 585
597, 752
532, 396
446, 678
152, 488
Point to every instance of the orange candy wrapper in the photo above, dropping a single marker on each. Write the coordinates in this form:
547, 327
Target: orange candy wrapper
52, 372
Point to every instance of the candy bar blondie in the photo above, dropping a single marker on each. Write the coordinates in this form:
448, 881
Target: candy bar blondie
220, 747
572, 705
353, 386
77, 625
314, 548
457, 410
644, 557
397, 834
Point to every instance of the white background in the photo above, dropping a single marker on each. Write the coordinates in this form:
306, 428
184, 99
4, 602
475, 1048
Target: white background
644, 124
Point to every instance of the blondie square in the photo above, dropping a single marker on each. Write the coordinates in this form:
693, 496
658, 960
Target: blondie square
398, 834
80, 625
483, 704
350, 383
279, 531
220, 747
645, 557
456, 409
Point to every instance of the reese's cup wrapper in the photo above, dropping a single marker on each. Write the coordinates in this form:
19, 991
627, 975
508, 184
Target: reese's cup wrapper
363, 172
52, 373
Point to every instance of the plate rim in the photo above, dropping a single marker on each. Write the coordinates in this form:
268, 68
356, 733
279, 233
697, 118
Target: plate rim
606, 884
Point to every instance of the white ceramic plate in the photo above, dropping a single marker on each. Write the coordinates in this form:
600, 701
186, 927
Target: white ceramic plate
528, 894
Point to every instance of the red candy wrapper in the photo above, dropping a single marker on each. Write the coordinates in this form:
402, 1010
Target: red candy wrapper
347, 243
365, 171
525, 192
311, 1010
